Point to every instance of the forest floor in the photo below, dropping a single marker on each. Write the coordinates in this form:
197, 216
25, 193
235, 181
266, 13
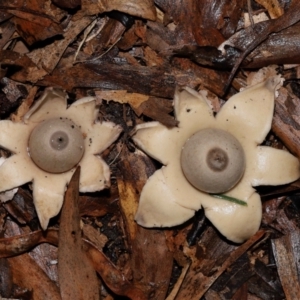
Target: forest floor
132, 57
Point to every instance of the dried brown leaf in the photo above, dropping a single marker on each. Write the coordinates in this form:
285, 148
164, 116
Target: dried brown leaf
27, 274
77, 278
122, 96
143, 8
17, 245
36, 30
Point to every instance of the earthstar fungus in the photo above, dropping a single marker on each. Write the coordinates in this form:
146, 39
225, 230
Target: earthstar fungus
47, 146
209, 154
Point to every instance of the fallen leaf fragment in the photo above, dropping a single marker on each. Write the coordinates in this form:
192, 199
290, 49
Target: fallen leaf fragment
143, 9
27, 274
33, 27
77, 278
272, 6
17, 245
122, 96
48, 57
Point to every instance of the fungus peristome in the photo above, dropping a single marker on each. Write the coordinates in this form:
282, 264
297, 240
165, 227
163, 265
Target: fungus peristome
211, 155
169, 198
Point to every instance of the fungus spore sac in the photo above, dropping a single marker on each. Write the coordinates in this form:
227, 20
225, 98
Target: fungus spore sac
56, 145
213, 160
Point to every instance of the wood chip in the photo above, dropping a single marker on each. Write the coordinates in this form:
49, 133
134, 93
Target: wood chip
287, 256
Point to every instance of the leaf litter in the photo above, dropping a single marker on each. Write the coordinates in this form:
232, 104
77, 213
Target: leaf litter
132, 58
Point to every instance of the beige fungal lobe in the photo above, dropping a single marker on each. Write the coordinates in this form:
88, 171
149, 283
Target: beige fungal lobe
213, 160
56, 145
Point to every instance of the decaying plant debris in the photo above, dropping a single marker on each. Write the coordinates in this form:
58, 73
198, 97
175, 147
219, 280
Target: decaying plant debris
131, 55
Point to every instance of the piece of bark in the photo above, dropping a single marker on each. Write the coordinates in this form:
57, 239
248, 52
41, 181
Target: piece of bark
261, 290
259, 32
268, 279
286, 120
275, 216
24, 107
77, 278
111, 32
13, 94
6, 280
129, 38
144, 80
94, 236
150, 259
234, 278
27, 274
13, 90
21, 207
279, 48
214, 258
158, 109
286, 253
190, 74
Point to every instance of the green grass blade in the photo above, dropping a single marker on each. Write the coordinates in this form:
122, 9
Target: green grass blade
230, 199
